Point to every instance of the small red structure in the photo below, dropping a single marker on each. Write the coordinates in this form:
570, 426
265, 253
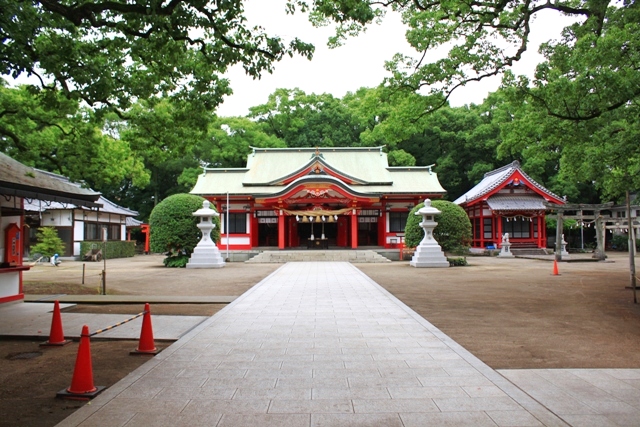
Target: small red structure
146, 230
507, 200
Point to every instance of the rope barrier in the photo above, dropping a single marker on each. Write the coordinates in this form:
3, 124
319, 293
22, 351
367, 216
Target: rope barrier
99, 331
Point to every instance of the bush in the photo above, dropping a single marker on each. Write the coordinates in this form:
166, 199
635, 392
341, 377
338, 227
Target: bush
453, 231
176, 261
620, 242
49, 243
457, 262
174, 228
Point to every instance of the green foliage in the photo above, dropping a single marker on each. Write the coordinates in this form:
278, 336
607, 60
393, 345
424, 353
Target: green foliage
567, 224
620, 242
174, 228
113, 248
302, 120
453, 231
50, 132
176, 261
401, 158
49, 243
109, 53
457, 262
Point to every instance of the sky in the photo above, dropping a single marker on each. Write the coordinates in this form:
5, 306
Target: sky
359, 62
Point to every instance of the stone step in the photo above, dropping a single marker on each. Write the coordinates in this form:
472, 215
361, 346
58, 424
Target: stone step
354, 256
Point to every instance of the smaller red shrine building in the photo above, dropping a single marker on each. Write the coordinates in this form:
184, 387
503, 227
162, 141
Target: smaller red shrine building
507, 200
342, 197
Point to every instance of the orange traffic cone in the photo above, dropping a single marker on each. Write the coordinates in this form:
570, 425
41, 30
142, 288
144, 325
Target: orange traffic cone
146, 345
555, 268
82, 387
56, 335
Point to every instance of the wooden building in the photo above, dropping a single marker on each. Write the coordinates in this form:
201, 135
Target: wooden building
316, 197
507, 200
77, 223
17, 184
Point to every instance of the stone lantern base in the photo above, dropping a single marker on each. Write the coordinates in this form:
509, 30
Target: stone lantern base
429, 256
206, 257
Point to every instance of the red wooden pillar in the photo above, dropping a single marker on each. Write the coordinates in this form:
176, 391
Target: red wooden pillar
541, 232
281, 227
481, 214
354, 230
499, 238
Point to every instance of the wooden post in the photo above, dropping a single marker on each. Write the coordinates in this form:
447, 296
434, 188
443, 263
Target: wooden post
559, 227
599, 224
281, 225
632, 249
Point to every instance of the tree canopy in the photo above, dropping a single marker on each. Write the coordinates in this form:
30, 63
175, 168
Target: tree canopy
593, 68
111, 53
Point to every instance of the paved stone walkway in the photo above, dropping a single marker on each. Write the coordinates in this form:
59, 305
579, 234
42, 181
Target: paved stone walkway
314, 344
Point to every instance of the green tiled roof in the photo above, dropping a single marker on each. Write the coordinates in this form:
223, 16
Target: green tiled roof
367, 167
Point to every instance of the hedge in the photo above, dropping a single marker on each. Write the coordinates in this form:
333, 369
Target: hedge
453, 232
114, 248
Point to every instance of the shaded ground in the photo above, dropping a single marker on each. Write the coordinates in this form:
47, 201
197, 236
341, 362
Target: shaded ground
510, 313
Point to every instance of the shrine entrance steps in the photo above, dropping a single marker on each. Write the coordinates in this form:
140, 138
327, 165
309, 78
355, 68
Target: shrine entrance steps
353, 256
523, 249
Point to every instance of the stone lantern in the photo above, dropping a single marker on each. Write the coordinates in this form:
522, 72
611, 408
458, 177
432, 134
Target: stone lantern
206, 253
428, 253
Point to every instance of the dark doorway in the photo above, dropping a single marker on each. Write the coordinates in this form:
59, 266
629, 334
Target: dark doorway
268, 234
330, 232
367, 233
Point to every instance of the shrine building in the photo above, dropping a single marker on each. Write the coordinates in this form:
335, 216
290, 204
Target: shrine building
507, 200
316, 197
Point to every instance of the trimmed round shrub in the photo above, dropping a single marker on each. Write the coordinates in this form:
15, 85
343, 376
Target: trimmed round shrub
453, 231
174, 229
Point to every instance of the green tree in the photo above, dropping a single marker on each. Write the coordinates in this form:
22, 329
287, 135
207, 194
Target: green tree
174, 228
112, 52
50, 132
593, 68
49, 243
453, 232
303, 120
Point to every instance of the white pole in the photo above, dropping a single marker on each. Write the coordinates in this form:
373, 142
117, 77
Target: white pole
227, 225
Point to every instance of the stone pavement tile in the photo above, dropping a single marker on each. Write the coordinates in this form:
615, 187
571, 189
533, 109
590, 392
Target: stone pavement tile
273, 393
447, 419
174, 420
228, 406
623, 374
351, 420
314, 406
453, 404
371, 406
111, 419
350, 393
624, 420
264, 420
320, 343
425, 392
484, 391
239, 383
175, 393
601, 379
514, 419
471, 381
384, 382
151, 406
312, 382
346, 373
589, 421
